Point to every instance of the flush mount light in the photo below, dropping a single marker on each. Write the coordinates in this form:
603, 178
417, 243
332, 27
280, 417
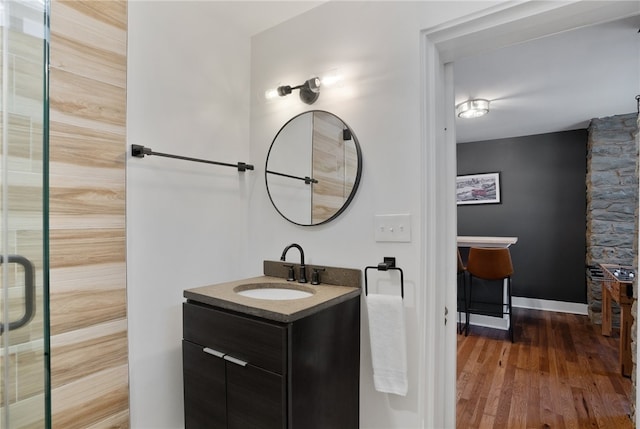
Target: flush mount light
472, 108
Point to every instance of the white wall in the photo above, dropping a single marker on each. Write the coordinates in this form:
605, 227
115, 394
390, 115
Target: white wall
376, 46
194, 224
188, 94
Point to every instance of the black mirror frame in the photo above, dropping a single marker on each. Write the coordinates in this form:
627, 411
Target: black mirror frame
356, 182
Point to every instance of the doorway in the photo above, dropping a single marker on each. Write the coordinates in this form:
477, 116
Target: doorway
496, 27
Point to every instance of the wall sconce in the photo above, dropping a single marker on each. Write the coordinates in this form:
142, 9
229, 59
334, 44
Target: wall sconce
472, 108
309, 90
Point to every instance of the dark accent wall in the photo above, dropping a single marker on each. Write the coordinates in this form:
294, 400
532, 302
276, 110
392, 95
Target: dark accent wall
543, 203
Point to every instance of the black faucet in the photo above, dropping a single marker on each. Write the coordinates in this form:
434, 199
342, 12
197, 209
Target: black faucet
303, 274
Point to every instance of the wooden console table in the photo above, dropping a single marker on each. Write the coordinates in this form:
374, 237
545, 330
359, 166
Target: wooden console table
617, 284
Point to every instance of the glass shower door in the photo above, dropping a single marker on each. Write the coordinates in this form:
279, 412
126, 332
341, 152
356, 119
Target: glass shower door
24, 398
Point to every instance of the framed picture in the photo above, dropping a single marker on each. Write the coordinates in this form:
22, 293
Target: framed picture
478, 189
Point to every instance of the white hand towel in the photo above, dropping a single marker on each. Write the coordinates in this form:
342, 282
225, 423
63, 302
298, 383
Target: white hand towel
388, 343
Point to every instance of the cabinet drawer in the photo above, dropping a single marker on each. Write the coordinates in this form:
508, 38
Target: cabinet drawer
259, 343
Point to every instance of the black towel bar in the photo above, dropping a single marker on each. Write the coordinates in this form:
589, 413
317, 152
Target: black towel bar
140, 151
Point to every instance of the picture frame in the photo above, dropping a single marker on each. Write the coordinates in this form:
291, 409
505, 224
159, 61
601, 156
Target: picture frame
478, 189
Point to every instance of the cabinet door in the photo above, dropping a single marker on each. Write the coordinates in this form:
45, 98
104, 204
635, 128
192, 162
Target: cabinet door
205, 403
255, 398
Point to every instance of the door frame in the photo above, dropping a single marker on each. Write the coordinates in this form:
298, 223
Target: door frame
492, 28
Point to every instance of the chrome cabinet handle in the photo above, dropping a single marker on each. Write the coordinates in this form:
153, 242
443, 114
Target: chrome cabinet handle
235, 360
213, 352
226, 357
29, 292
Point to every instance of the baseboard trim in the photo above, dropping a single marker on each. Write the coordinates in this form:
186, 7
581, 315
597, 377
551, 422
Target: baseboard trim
531, 303
549, 305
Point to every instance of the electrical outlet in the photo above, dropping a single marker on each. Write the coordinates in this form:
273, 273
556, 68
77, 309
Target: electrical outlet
392, 227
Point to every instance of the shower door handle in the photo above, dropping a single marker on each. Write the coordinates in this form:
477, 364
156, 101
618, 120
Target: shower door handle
29, 292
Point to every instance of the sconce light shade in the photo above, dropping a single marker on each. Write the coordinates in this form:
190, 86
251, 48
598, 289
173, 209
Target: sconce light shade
284, 90
313, 84
472, 108
310, 90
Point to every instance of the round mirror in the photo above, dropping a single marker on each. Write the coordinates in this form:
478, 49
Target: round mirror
313, 168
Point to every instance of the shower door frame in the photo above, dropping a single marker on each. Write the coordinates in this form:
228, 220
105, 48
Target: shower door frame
25, 399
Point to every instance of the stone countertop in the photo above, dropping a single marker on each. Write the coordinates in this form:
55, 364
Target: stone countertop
223, 295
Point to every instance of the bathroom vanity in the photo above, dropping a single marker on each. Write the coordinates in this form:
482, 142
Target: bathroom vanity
273, 363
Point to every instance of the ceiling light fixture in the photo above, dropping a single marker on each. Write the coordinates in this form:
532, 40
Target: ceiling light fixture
472, 108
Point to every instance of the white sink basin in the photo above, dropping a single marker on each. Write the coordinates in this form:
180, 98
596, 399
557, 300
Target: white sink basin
275, 292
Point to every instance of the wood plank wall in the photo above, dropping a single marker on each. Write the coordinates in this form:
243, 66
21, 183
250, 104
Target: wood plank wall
89, 359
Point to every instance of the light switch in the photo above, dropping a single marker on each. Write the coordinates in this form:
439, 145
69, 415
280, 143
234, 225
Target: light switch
392, 227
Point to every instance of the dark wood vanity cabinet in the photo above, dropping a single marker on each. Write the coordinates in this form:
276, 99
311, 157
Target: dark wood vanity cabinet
246, 372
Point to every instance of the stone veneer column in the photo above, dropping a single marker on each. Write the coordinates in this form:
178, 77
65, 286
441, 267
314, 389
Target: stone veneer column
612, 197
612, 206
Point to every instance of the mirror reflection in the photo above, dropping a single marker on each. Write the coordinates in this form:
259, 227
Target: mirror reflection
313, 168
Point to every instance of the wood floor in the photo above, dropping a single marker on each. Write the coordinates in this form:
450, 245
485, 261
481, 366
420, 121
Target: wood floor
560, 373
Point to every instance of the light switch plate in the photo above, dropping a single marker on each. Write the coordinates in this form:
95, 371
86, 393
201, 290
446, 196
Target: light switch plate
392, 227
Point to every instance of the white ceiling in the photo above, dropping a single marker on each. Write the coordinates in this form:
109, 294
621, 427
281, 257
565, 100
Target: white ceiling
555, 83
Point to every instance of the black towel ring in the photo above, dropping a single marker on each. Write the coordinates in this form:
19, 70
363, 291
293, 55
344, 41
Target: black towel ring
388, 264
